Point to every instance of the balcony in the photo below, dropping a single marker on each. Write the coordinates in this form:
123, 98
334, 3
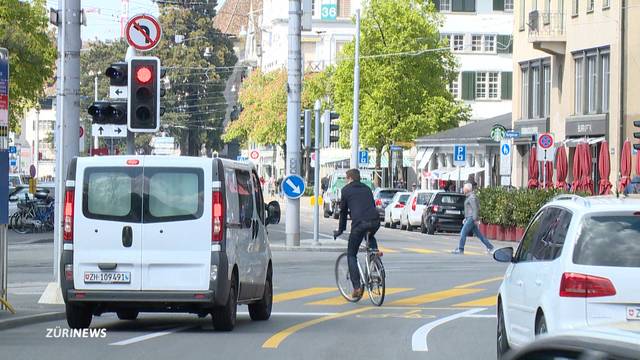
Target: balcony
547, 32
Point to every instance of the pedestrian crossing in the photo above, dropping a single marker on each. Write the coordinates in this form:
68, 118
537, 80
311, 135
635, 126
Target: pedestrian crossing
425, 251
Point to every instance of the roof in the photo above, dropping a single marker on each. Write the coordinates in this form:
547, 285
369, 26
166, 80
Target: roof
593, 204
476, 132
233, 15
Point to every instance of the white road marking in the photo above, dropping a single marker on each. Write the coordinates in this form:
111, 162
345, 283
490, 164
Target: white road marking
481, 316
419, 338
313, 314
150, 336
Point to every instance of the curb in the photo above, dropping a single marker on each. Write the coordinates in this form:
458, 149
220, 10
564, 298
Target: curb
279, 248
30, 319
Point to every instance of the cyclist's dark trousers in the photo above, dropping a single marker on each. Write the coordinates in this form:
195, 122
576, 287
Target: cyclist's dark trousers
358, 231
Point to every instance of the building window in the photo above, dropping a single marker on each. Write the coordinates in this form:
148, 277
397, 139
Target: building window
578, 87
493, 83
344, 8
536, 89
476, 43
591, 4
458, 42
508, 5
535, 93
546, 108
524, 94
489, 43
606, 4
454, 88
523, 11
487, 85
575, 7
605, 83
445, 5
463, 5
481, 85
592, 84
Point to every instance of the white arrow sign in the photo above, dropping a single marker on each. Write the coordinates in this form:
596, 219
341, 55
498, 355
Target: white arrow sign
118, 92
296, 189
109, 130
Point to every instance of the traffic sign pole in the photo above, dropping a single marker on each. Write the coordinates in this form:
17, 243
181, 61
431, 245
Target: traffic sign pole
316, 177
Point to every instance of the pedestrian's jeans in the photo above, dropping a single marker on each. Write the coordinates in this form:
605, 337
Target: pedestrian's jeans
358, 231
468, 227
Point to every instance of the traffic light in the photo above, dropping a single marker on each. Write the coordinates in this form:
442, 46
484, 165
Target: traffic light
305, 129
143, 113
106, 112
117, 74
636, 135
328, 128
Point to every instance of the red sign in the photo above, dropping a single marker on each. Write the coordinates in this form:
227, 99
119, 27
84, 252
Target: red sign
254, 154
143, 32
100, 151
81, 131
545, 141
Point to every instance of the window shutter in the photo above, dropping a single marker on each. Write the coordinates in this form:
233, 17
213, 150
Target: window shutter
505, 44
344, 8
506, 88
470, 5
468, 85
498, 5
457, 5
436, 3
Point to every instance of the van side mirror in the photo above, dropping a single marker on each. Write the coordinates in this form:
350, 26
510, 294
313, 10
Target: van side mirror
504, 255
273, 213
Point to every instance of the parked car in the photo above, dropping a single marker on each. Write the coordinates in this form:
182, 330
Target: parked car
612, 342
578, 265
382, 198
331, 197
412, 213
393, 211
165, 234
445, 212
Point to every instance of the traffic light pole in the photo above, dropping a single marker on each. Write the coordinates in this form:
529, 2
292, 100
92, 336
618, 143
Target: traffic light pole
293, 118
355, 133
131, 140
316, 177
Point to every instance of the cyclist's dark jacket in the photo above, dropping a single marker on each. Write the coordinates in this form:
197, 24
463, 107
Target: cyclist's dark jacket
358, 198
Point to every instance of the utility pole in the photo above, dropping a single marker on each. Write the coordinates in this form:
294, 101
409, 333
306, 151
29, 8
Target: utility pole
96, 143
293, 119
36, 145
68, 109
355, 132
131, 140
316, 177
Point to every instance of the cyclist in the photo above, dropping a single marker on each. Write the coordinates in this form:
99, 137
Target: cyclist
357, 198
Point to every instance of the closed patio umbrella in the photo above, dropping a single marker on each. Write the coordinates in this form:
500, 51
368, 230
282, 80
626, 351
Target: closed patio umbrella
561, 168
548, 174
577, 159
604, 169
625, 166
533, 168
586, 182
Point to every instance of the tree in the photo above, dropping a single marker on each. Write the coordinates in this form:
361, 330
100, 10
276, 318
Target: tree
405, 68
32, 53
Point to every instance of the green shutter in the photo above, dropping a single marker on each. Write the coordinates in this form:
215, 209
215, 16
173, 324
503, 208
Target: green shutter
468, 85
498, 5
436, 3
470, 5
506, 88
457, 5
505, 44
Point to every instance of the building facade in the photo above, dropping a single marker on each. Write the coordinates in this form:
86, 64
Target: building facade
35, 142
573, 76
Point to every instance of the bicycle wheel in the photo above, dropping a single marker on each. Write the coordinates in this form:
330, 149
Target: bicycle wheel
21, 223
376, 286
343, 279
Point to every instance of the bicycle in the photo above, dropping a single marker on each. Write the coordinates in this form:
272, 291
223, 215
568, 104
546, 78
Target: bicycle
372, 277
34, 215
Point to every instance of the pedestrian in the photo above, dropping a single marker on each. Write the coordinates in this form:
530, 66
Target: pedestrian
633, 187
413, 187
471, 221
278, 183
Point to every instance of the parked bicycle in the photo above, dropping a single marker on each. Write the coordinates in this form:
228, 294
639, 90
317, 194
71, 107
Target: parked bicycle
35, 215
372, 275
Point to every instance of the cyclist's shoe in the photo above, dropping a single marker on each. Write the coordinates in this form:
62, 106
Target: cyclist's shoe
457, 252
356, 293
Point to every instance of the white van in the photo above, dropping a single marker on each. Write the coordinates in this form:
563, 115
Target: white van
165, 234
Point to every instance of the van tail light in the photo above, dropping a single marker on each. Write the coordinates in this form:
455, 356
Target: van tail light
413, 204
379, 202
435, 208
68, 272
585, 286
399, 206
68, 215
217, 217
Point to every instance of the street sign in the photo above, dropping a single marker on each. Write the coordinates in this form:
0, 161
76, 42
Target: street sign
459, 155
81, 141
505, 158
512, 134
163, 145
546, 151
109, 130
363, 157
312, 163
505, 180
118, 92
242, 158
498, 132
12, 150
13, 162
396, 148
329, 12
293, 186
545, 141
32, 171
143, 32
4, 88
254, 155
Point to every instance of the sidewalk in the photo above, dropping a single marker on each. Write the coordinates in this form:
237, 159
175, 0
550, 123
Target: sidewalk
28, 311
327, 245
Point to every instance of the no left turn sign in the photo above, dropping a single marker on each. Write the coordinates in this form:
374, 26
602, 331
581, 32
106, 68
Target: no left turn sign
254, 154
143, 32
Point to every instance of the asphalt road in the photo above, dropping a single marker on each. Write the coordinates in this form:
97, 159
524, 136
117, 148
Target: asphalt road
438, 306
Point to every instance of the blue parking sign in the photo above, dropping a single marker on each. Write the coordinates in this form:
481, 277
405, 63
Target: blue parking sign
459, 155
363, 157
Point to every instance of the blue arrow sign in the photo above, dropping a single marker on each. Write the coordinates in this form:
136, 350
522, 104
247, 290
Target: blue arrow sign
505, 149
12, 150
363, 157
293, 186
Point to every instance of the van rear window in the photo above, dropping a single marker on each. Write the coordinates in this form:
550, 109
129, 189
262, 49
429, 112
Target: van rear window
611, 240
173, 194
112, 194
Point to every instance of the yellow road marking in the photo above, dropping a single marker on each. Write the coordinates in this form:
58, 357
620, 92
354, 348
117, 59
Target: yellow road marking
435, 296
422, 251
339, 300
488, 301
480, 282
298, 294
387, 250
275, 341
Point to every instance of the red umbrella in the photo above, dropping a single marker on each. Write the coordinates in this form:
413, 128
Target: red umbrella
586, 182
625, 166
577, 159
561, 168
533, 168
604, 169
548, 174
638, 164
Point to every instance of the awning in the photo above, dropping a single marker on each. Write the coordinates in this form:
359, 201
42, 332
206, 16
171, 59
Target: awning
454, 173
384, 162
424, 157
573, 142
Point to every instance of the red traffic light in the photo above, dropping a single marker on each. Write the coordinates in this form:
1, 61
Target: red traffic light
143, 74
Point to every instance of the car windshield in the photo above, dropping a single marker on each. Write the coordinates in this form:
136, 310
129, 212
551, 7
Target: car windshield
403, 198
609, 240
386, 194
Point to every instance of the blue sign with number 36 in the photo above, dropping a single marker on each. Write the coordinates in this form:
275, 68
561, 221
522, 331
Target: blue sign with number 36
329, 11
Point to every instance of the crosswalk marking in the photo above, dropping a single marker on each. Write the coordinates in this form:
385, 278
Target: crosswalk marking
422, 251
483, 302
387, 250
435, 296
339, 300
480, 282
299, 294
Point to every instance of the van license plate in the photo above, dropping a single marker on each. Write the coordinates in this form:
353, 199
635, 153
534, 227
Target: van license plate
111, 277
633, 312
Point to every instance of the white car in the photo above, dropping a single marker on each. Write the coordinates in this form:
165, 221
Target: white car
165, 234
577, 265
412, 213
393, 211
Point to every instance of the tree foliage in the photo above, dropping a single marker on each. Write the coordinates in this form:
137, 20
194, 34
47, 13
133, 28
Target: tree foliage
32, 53
404, 71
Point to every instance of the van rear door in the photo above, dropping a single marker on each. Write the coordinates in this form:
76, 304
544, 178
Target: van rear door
176, 249
107, 224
